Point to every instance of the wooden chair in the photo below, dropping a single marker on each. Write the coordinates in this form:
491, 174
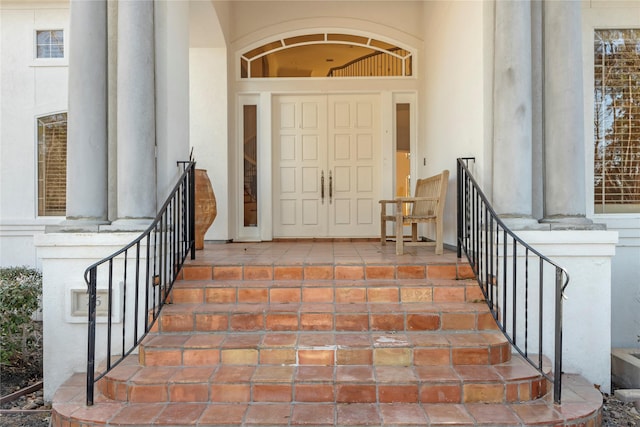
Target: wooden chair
427, 206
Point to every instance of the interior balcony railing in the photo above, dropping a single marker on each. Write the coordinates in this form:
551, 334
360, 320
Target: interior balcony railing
128, 289
523, 288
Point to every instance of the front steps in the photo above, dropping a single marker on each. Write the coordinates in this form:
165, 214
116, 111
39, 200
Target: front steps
348, 345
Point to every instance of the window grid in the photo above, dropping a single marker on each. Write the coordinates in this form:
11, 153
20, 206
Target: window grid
52, 165
50, 44
617, 121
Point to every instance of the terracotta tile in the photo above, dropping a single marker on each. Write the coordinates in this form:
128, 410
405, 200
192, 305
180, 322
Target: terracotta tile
442, 272
258, 272
244, 356
356, 393
354, 356
189, 392
411, 272
418, 294
431, 356
483, 393
349, 272
382, 295
449, 294
223, 414
403, 414
201, 357
284, 295
287, 273
282, 322
220, 295
314, 392
398, 393
440, 393
230, 393
212, 322
279, 340
448, 414
314, 374
273, 374
458, 321
246, 322
148, 393
392, 356
316, 321
162, 357
352, 322
193, 374
316, 357
284, 356
154, 375
313, 415
276, 414
99, 414
486, 322
473, 293
272, 392
423, 322
536, 413
350, 295
380, 272
318, 272
493, 414
465, 272
233, 374
204, 341
197, 273
357, 374
253, 295
177, 322
469, 356
182, 296
512, 393
138, 414
387, 322
316, 294
358, 414
227, 273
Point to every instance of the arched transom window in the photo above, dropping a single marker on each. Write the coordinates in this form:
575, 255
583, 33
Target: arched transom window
326, 55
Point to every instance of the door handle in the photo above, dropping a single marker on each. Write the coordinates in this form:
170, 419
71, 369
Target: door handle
322, 186
330, 187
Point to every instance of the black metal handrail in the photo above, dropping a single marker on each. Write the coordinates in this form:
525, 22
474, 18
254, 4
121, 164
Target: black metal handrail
518, 296
141, 276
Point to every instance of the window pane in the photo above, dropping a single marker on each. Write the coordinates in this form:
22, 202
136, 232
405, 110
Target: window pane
50, 44
617, 121
341, 55
52, 165
250, 138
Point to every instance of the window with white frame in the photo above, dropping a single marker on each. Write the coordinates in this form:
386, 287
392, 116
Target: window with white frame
52, 165
50, 44
617, 121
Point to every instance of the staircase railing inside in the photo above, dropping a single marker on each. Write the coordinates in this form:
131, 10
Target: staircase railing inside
523, 288
128, 289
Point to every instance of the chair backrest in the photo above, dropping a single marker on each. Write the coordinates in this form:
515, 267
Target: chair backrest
436, 187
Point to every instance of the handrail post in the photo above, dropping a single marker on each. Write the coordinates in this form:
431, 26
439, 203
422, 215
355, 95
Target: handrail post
192, 210
557, 367
459, 178
91, 341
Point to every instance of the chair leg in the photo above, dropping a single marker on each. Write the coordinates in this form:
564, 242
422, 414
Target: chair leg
399, 240
383, 230
439, 237
414, 232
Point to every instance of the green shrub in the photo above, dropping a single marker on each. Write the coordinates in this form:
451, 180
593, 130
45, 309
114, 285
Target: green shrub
20, 336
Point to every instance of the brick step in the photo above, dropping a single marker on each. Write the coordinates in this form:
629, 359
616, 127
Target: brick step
255, 271
508, 382
326, 291
244, 317
325, 348
582, 406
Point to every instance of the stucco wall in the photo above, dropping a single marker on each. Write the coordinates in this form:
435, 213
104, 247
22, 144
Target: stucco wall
29, 88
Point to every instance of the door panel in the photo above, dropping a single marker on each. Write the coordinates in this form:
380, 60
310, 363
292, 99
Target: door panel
330, 140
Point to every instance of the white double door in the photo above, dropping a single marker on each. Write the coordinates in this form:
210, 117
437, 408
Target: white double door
326, 152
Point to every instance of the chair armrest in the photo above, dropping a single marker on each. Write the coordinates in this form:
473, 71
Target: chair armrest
416, 199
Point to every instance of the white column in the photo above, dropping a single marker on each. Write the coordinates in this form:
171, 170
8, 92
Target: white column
136, 112
87, 117
512, 155
565, 199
